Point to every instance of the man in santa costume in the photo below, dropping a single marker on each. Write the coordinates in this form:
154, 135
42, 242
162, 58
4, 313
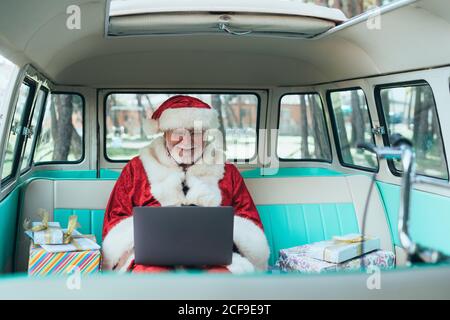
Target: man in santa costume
182, 168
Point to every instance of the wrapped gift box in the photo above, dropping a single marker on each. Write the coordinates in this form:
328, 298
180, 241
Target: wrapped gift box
296, 260
342, 248
42, 262
53, 234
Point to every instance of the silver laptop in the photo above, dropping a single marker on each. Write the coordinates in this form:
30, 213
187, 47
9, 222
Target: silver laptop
183, 236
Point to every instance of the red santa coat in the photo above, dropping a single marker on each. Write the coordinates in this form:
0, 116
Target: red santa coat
154, 179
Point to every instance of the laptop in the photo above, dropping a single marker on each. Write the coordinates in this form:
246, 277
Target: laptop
183, 236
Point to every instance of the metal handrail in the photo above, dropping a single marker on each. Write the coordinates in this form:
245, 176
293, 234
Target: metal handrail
402, 150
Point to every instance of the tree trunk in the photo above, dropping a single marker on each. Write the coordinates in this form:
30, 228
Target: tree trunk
304, 128
343, 139
420, 128
62, 127
141, 116
358, 124
321, 145
217, 105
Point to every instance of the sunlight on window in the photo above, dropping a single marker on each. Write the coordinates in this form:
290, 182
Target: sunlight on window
8, 73
351, 8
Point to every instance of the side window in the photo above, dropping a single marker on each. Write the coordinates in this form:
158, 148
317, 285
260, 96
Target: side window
12, 144
30, 138
352, 124
125, 114
8, 73
302, 132
60, 137
410, 110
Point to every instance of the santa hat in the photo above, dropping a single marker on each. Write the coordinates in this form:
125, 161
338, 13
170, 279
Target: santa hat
182, 112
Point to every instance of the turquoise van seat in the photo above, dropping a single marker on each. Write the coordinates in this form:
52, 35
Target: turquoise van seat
285, 226
292, 225
310, 208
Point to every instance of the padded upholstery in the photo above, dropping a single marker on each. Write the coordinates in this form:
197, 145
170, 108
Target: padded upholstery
296, 224
303, 210
285, 225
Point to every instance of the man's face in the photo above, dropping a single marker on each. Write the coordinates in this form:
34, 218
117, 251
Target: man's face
185, 145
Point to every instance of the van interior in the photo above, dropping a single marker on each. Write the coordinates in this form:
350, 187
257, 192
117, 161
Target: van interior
298, 86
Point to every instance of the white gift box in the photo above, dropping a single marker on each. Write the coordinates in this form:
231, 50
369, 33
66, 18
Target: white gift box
294, 260
52, 235
341, 249
78, 243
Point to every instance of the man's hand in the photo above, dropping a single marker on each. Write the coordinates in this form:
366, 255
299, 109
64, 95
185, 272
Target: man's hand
125, 261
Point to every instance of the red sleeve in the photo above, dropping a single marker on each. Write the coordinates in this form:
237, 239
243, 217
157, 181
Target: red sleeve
120, 203
242, 200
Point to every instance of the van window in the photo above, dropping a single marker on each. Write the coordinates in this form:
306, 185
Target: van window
125, 115
8, 71
60, 139
25, 95
31, 136
410, 110
352, 125
302, 132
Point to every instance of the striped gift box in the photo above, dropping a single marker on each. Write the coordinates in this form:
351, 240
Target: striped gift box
42, 262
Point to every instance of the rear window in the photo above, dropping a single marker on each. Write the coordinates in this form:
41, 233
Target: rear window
410, 110
125, 114
352, 125
60, 139
302, 132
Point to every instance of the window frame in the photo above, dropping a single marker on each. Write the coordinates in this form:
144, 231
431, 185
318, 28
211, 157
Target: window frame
325, 123
36, 133
187, 92
20, 139
39, 129
336, 133
383, 123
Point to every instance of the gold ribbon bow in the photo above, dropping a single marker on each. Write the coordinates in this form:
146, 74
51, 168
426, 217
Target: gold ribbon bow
44, 222
352, 240
43, 226
340, 243
44, 214
71, 226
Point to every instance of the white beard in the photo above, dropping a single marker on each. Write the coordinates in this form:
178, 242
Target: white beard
187, 156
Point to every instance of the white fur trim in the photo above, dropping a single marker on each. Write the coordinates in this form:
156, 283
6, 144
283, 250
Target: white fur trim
166, 177
150, 126
189, 118
118, 241
203, 178
240, 265
163, 173
251, 242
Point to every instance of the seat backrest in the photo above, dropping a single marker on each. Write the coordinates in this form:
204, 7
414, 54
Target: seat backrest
61, 198
294, 210
301, 210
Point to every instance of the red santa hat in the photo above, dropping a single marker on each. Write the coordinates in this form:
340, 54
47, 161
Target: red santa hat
182, 112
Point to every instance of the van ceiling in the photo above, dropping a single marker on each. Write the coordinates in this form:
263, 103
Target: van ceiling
411, 37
